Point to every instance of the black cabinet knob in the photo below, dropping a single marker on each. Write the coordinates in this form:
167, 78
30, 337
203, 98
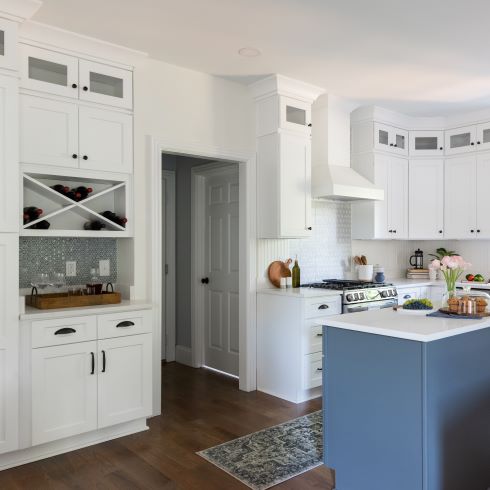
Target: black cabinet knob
478, 231
310, 125
478, 143
309, 228
390, 231
395, 145
85, 157
394, 231
472, 143
74, 85
391, 144
74, 155
85, 89
440, 231
205, 280
441, 148
472, 231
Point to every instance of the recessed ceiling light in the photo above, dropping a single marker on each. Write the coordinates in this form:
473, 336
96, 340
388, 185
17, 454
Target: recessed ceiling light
249, 52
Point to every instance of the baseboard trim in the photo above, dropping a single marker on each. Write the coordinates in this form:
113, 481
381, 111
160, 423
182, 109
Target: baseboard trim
31, 454
183, 355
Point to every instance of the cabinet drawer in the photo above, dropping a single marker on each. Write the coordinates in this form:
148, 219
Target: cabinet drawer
313, 337
312, 370
46, 333
320, 307
125, 323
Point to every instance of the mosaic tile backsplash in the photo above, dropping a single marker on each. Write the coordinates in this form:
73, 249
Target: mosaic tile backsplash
40, 254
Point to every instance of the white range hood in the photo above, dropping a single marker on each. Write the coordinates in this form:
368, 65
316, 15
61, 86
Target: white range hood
332, 175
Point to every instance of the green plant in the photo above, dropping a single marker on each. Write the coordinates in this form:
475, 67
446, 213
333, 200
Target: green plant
442, 252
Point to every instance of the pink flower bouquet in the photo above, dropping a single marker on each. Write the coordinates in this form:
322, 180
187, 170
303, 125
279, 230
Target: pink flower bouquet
451, 266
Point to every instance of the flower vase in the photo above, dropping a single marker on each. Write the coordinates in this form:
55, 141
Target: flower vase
447, 295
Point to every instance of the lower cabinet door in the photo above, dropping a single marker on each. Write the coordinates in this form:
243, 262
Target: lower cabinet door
125, 387
64, 391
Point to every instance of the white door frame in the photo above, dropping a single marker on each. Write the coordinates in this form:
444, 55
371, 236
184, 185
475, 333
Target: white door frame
198, 260
168, 251
247, 254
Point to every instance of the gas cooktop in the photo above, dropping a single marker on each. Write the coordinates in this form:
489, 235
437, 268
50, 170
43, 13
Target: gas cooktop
345, 284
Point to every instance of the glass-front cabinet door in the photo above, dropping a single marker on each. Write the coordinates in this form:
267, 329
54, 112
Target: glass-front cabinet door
483, 136
295, 115
391, 139
426, 143
8, 44
49, 71
460, 140
106, 84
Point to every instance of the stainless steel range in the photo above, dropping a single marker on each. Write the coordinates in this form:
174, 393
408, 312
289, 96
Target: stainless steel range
360, 296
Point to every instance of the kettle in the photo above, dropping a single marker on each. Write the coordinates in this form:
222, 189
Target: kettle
417, 260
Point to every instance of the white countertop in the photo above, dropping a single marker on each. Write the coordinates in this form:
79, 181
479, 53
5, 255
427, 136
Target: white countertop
300, 292
126, 305
403, 282
405, 325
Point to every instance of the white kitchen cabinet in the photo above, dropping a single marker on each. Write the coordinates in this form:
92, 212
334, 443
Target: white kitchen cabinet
284, 185
64, 391
482, 196
426, 143
54, 132
8, 44
387, 219
9, 166
9, 342
426, 199
48, 132
391, 139
407, 293
61, 74
460, 201
48, 71
125, 388
106, 140
460, 140
104, 84
289, 342
295, 115
483, 136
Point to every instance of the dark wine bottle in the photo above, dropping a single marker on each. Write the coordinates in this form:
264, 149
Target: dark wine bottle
94, 225
31, 213
83, 191
42, 225
62, 189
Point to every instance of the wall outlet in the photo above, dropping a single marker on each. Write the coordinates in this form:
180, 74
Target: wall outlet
71, 269
104, 267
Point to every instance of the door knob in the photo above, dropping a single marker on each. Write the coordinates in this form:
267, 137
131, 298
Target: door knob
205, 280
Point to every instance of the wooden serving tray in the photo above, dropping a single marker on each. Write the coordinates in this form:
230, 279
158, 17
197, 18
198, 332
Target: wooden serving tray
462, 315
62, 300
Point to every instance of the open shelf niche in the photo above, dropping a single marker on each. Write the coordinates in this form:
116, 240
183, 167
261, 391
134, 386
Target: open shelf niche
66, 216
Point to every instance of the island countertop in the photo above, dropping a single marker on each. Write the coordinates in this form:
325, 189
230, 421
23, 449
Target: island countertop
403, 325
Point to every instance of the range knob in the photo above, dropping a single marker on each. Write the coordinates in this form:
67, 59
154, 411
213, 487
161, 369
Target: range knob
361, 295
356, 296
384, 294
349, 297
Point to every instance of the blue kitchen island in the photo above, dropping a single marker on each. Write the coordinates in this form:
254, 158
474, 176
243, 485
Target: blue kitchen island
406, 401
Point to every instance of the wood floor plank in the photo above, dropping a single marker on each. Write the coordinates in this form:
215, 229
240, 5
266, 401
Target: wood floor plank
200, 409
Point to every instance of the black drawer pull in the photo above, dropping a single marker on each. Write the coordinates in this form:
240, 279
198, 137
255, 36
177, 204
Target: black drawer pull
125, 324
323, 307
319, 335
407, 296
93, 363
65, 331
103, 361
319, 369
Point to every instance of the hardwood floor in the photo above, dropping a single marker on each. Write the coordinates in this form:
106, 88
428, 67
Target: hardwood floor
200, 409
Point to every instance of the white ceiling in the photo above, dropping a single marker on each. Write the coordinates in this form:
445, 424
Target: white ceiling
423, 57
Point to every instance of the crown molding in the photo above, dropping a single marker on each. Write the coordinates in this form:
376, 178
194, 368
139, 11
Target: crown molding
280, 85
19, 10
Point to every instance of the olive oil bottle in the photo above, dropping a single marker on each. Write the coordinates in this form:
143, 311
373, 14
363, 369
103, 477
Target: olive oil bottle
296, 273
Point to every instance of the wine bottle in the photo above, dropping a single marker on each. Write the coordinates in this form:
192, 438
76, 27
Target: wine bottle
62, 189
83, 192
31, 213
296, 273
94, 225
42, 225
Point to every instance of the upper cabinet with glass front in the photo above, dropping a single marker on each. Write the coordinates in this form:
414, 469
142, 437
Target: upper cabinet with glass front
391, 139
426, 143
460, 140
68, 76
295, 115
8, 44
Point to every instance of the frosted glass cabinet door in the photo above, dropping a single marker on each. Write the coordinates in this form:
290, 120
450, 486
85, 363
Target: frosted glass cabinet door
105, 84
391, 139
49, 71
295, 115
8, 44
483, 136
460, 140
426, 143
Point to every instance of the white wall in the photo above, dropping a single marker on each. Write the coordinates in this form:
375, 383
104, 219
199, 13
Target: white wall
182, 108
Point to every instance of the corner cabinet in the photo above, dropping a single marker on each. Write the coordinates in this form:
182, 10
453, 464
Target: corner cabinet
284, 185
387, 219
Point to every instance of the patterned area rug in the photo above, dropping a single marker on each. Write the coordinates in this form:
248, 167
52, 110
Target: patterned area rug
268, 457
